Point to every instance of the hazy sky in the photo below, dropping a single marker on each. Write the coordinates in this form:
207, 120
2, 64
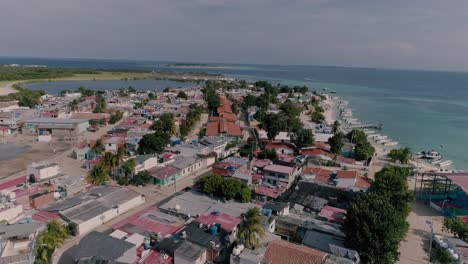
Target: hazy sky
425, 34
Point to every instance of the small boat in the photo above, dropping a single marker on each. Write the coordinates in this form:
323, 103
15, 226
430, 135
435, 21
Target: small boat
445, 163
333, 92
391, 143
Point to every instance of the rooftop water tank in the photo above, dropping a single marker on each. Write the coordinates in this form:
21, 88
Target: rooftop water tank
213, 230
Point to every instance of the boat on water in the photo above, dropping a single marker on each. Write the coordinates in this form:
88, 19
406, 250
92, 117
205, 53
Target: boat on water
390, 143
429, 154
445, 163
333, 92
380, 137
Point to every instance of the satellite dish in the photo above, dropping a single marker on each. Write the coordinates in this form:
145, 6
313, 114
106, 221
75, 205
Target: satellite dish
177, 207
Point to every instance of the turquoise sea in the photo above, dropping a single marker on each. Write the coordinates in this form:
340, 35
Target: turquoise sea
420, 109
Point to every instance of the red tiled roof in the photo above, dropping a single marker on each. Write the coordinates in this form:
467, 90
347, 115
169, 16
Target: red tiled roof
223, 126
284, 252
346, 174
361, 182
277, 145
320, 145
224, 109
316, 152
212, 129
229, 116
321, 175
227, 222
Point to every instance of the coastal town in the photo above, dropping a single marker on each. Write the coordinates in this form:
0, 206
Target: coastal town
226, 171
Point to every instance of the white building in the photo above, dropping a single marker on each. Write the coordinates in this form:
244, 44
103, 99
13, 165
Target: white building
96, 207
43, 171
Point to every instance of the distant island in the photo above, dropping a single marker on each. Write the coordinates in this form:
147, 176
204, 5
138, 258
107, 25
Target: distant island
192, 65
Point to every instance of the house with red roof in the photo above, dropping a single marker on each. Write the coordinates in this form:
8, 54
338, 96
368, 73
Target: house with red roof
280, 175
284, 252
223, 127
226, 222
151, 220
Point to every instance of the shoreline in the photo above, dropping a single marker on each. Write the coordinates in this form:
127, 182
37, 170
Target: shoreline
380, 157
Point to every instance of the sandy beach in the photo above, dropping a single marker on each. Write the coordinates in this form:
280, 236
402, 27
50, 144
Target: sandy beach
7, 88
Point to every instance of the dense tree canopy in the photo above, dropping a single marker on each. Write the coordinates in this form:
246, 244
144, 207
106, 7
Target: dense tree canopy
229, 188
336, 143
402, 155
154, 143
376, 220
302, 138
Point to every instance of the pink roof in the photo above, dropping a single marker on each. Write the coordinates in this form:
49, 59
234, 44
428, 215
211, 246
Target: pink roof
141, 221
278, 168
44, 216
460, 179
227, 222
259, 163
333, 214
12, 183
286, 158
269, 191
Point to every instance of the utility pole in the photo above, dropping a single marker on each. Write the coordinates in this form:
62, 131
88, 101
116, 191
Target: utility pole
430, 223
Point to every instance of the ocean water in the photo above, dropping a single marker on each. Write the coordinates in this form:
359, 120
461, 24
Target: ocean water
144, 85
420, 109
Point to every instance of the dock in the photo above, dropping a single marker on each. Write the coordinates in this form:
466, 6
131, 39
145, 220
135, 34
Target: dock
373, 126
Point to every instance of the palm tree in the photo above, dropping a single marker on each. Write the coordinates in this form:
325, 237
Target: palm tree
335, 126
98, 175
251, 229
73, 105
52, 237
98, 147
128, 167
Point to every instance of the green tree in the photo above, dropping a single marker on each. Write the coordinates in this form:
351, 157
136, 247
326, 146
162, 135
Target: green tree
302, 138
210, 184
402, 155
245, 194
182, 95
250, 100
98, 175
153, 143
231, 188
317, 117
374, 228
128, 167
268, 154
441, 256
98, 147
166, 123
391, 182
251, 229
116, 117
336, 127
363, 151
73, 105
141, 178
52, 237
336, 143
457, 227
